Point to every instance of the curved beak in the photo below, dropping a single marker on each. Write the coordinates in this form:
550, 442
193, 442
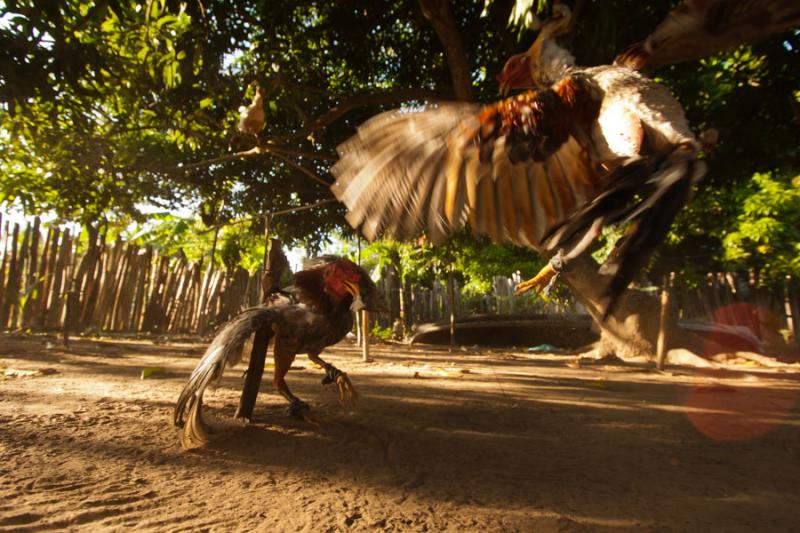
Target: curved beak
355, 291
515, 74
504, 87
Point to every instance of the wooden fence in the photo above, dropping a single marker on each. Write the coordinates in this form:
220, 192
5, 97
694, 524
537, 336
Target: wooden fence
430, 305
727, 298
739, 299
48, 280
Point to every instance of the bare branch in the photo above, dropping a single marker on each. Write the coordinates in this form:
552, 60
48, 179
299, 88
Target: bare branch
270, 146
362, 100
302, 169
272, 213
265, 148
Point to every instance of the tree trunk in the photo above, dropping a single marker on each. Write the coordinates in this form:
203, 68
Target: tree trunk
633, 328
441, 18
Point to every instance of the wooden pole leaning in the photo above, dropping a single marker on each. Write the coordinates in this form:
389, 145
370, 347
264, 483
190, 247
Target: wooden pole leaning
274, 263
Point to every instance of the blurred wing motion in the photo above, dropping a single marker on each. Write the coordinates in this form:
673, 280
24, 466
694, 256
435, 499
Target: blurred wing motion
699, 28
550, 167
511, 169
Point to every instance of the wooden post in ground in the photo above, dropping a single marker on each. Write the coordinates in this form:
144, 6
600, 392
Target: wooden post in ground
661, 343
365, 335
275, 263
362, 322
359, 316
791, 324
252, 377
451, 303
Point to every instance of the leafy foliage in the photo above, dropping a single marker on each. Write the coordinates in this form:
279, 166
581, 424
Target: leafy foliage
108, 106
767, 231
475, 262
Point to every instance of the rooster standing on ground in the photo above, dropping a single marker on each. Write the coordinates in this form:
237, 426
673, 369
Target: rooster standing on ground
550, 167
316, 312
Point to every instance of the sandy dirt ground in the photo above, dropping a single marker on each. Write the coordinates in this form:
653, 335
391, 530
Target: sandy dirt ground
469, 441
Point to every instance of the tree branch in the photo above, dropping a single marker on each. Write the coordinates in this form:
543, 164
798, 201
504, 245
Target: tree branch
270, 146
361, 100
441, 18
265, 148
286, 211
302, 169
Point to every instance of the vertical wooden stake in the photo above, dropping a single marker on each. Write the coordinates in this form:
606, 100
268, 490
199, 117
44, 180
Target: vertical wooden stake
661, 345
274, 264
359, 317
451, 297
365, 335
787, 307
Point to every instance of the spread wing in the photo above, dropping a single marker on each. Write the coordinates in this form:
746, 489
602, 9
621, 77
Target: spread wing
510, 170
699, 28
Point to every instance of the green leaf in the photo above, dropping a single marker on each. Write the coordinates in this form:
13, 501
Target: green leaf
152, 371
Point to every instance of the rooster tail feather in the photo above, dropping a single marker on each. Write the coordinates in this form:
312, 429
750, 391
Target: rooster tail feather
653, 215
644, 192
195, 431
224, 350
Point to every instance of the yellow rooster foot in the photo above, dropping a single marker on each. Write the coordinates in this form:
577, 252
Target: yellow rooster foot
539, 282
348, 396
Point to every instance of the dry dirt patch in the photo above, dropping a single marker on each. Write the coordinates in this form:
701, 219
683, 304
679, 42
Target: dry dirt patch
470, 441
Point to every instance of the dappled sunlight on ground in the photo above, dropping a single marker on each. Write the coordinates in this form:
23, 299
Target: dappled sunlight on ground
472, 440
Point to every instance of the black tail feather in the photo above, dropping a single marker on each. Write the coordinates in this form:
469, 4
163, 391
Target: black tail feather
653, 215
612, 205
635, 193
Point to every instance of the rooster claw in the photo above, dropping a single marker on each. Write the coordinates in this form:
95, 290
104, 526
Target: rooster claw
347, 393
348, 396
298, 409
538, 283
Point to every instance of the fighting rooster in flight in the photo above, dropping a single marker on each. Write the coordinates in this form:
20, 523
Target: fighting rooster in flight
581, 148
314, 313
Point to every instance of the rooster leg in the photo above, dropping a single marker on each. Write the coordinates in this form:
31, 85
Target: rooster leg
547, 276
538, 282
347, 393
283, 362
